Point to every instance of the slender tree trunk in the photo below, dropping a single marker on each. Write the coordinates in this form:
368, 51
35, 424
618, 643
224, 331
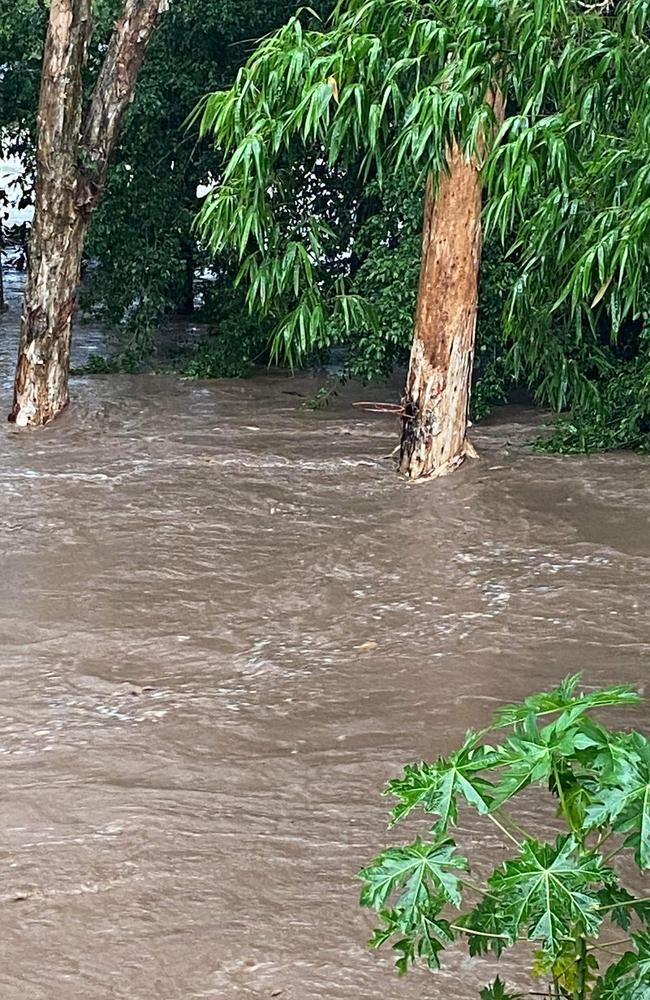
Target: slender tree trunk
41, 389
73, 156
436, 400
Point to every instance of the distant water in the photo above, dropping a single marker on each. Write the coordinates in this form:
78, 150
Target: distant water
10, 174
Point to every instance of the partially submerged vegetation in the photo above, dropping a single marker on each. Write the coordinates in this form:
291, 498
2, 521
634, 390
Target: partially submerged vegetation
374, 98
459, 188
537, 113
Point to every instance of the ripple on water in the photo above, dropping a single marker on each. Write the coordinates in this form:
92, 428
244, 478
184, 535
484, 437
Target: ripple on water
224, 624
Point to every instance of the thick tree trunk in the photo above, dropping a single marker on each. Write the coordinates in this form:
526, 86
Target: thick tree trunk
436, 399
73, 160
438, 384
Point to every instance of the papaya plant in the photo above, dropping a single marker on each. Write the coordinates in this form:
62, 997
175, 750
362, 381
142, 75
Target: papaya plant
592, 934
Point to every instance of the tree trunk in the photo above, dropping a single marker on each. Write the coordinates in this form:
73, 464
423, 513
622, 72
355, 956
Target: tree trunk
41, 388
436, 399
438, 384
73, 156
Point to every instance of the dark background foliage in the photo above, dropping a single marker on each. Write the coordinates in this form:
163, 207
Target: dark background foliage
144, 260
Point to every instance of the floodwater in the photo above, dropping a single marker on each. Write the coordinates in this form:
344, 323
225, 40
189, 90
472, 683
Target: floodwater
224, 623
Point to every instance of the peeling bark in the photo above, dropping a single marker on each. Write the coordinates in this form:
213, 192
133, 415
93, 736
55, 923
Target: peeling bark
73, 156
436, 399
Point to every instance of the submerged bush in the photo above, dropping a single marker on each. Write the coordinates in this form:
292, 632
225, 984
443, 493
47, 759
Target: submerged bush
221, 356
616, 415
237, 340
563, 895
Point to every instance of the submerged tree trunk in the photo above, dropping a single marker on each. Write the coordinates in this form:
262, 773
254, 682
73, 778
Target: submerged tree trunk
438, 384
73, 155
436, 400
57, 238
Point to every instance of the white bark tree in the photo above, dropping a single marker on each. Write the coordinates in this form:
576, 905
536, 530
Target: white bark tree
74, 148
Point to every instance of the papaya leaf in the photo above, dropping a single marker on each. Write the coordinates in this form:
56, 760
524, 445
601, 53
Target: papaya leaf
629, 978
531, 754
565, 969
436, 787
550, 890
423, 874
486, 921
575, 789
564, 698
556, 894
497, 991
423, 935
622, 906
624, 800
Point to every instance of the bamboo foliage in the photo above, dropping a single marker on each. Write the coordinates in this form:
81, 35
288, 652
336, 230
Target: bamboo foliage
382, 86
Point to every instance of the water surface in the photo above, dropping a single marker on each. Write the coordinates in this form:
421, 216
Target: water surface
224, 623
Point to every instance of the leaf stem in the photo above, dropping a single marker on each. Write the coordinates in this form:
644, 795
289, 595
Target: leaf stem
504, 830
603, 839
476, 888
613, 854
466, 930
626, 902
581, 970
514, 824
607, 945
563, 805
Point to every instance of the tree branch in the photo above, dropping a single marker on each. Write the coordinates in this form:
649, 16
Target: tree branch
114, 91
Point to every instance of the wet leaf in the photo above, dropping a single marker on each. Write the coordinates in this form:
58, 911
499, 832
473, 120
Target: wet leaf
497, 991
437, 787
421, 873
564, 698
629, 978
624, 801
549, 891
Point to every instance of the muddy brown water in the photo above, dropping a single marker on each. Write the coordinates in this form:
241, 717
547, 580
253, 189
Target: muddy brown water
223, 625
